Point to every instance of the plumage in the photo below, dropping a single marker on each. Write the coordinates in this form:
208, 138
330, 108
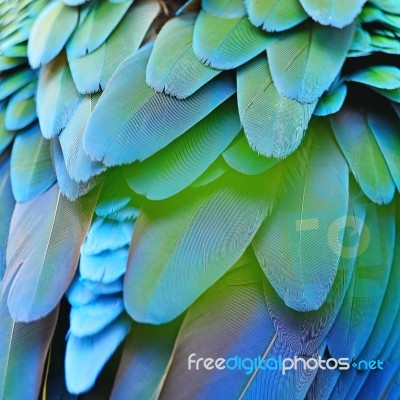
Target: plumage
215, 224
32, 171
90, 319
7, 203
126, 138
215, 326
106, 235
381, 77
23, 352
274, 124
69, 188
364, 296
300, 267
93, 71
144, 360
40, 240
331, 102
305, 61
275, 15
50, 32
305, 332
105, 267
96, 23
12, 83
363, 154
173, 67
178, 165
225, 8
57, 97
338, 13
386, 132
91, 353
242, 158
77, 163
6, 136
227, 43
21, 109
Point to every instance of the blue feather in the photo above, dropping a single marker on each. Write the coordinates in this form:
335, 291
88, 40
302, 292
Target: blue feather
90, 319
85, 357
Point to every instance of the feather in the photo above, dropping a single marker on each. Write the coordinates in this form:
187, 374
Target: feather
338, 13
7, 204
305, 61
21, 109
363, 299
79, 294
389, 308
77, 163
56, 98
362, 152
91, 354
323, 384
90, 319
229, 320
6, 136
69, 188
386, 132
332, 101
144, 360
215, 171
115, 195
274, 385
392, 341
274, 125
100, 288
379, 76
43, 251
7, 63
99, 21
200, 234
50, 31
300, 266
178, 165
173, 68
242, 158
32, 171
275, 15
12, 83
378, 382
75, 2
305, 332
23, 351
107, 235
390, 6
145, 121
343, 384
105, 267
224, 8
94, 70
227, 43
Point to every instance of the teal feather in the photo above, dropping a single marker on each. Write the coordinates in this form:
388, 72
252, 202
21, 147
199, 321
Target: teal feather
56, 98
274, 125
32, 171
362, 152
93, 71
50, 32
227, 43
184, 160
96, 24
173, 67
275, 15
145, 121
217, 222
306, 60
299, 265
